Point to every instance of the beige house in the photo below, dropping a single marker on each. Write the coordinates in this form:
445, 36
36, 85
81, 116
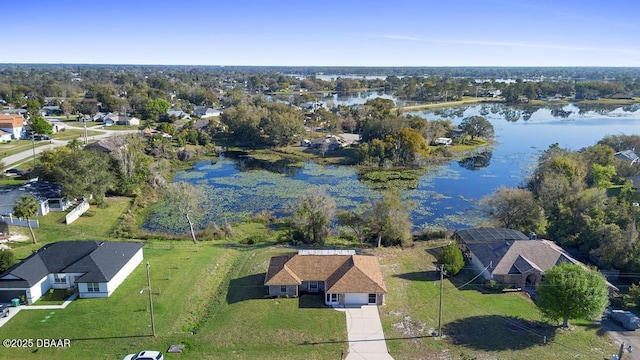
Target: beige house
510, 257
344, 277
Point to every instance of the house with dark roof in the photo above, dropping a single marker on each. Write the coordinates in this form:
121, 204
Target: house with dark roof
510, 257
344, 277
48, 194
627, 155
93, 269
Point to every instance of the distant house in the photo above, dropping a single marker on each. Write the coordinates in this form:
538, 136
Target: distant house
444, 141
510, 257
5, 136
56, 124
330, 142
127, 121
627, 155
344, 277
147, 133
206, 112
93, 269
50, 111
49, 196
178, 114
106, 145
621, 96
13, 124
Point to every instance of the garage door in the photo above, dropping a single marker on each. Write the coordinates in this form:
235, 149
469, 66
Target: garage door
7, 295
356, 299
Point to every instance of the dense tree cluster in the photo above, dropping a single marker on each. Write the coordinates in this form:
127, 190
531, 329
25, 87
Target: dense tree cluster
148, 91
580, 199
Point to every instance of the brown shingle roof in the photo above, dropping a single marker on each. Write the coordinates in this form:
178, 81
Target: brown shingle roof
11, 121
540, 254
342, 273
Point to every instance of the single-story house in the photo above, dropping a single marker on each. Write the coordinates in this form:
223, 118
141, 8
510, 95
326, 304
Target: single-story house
49, 196
106, 145
56, 124
5, 136
508, 256
93, 269
206, 111
50, 111
13, 124
627, 155
344, 277
178, 114
330, 142
444, 141
127, 120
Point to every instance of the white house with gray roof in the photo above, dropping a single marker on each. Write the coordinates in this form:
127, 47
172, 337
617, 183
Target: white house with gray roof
91, 268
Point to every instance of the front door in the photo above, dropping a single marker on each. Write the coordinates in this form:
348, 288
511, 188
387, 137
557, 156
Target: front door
331, 299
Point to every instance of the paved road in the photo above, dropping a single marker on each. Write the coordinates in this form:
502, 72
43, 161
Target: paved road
13, 160
364, 331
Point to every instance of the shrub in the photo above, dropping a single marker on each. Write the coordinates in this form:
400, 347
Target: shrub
452, 259
494, 285
6, 260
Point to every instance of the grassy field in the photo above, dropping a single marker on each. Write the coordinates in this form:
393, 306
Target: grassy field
18, 146
477, 324
211, 298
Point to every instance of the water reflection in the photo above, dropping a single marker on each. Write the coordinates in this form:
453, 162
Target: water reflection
446, 195
477, 161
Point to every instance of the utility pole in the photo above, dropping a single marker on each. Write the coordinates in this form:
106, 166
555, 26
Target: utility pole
153, 323
86, 141
33, 145
440, 311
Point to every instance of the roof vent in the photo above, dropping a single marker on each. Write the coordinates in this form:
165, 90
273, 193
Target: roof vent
533, 236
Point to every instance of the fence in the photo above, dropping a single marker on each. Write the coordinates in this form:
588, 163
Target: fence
74, 214
19, 222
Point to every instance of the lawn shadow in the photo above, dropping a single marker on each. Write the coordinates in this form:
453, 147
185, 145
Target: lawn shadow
431, 275
311, 301
111, 337
246, 288
498, 333
468, 279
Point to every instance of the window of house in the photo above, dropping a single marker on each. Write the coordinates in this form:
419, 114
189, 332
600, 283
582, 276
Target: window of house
372, 298
283, 288
313, 285
93, 287
59, 278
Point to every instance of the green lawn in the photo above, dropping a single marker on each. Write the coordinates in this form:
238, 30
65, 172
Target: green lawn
211, 298
476, 323
18, 146
70, 134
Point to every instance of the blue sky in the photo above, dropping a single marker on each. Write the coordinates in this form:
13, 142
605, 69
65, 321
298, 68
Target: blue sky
323, 32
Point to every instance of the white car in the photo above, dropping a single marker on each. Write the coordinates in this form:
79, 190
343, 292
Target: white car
145, 355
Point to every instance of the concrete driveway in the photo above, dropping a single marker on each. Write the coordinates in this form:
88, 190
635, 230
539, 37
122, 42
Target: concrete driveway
621, 335
366, 338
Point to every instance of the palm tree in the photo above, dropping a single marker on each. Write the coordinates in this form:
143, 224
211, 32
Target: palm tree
74, 144
26, 207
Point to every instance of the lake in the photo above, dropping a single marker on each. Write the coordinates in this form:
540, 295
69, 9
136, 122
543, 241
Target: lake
447, 194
